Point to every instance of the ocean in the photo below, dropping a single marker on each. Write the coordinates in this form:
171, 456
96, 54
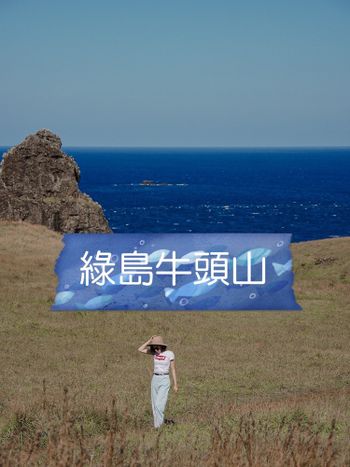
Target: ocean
305, 192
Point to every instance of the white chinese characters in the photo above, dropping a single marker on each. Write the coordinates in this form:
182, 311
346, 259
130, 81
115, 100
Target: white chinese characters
96, 272
136, 269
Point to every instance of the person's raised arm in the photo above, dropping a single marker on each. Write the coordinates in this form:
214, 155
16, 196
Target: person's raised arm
143, 347
173, 373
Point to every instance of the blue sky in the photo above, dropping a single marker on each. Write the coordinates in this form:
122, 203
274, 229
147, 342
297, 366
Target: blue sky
176, 73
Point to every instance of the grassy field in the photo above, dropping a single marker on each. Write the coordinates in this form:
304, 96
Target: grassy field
255, 388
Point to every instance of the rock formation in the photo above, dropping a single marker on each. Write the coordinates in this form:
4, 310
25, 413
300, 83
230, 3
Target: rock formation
39, 184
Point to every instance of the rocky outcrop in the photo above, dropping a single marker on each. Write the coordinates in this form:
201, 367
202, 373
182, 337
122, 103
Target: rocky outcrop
39, 184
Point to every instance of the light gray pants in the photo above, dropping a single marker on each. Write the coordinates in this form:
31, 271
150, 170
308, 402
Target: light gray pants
159, 392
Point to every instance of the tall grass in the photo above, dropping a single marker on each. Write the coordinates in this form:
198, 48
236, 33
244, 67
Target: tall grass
60, 433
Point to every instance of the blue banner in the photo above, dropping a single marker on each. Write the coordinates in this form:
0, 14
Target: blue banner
175, 272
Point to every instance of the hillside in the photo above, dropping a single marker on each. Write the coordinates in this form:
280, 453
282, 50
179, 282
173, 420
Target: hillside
275, 364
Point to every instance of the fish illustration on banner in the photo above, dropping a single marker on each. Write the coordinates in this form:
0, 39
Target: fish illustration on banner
97, 303
257, 254
282, 268
63, 297
188, 290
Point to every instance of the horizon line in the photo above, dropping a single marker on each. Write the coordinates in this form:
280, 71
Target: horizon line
195, 147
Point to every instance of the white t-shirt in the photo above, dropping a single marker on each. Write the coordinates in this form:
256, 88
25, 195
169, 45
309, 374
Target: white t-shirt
162, 361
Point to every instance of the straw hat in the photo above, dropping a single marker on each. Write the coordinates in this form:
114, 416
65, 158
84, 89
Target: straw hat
157, 340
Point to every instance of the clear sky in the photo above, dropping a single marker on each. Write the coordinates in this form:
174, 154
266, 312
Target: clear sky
176, 73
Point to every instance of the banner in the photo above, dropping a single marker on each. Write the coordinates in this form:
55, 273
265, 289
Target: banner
175, 272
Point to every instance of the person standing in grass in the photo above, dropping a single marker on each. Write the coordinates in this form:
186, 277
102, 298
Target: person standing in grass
163, 360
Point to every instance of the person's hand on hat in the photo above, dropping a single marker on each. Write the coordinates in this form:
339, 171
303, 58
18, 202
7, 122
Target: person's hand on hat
143, 347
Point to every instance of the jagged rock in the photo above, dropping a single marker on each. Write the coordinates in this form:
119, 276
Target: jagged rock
39, 184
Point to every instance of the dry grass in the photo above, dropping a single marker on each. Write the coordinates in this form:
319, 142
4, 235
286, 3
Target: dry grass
55, 435
290, 369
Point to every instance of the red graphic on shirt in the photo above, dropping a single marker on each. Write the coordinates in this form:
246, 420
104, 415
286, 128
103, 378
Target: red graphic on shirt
160, 357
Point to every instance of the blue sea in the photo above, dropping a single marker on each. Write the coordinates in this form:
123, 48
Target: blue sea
305, 192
